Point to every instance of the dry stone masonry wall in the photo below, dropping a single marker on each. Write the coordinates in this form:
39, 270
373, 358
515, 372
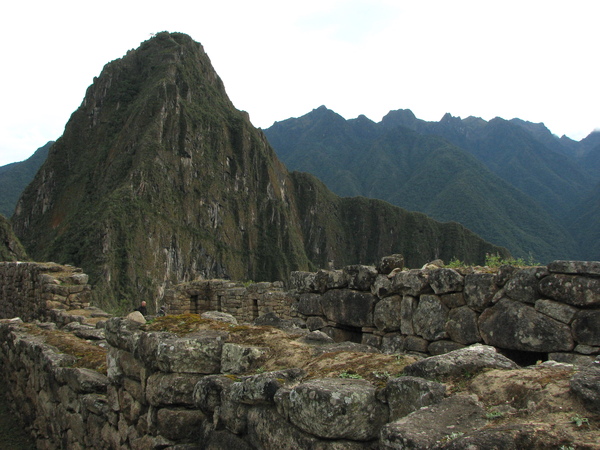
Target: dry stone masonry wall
36, 291
549, 312
201, 390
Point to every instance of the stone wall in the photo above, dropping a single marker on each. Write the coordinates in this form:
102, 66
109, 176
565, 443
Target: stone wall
245, 301
550, 312
32, 291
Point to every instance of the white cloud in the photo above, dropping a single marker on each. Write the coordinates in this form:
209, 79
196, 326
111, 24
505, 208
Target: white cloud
534, 60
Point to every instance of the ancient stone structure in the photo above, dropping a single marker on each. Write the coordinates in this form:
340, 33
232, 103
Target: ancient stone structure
32, 290
531, 313
203, 391
245, 301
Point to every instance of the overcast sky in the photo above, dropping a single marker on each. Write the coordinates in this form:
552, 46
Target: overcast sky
532, 59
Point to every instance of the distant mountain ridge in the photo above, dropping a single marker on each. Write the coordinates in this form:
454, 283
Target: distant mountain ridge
158, 179
499, 178
15, 177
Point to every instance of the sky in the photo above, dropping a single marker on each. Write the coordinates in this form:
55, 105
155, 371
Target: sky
532, 59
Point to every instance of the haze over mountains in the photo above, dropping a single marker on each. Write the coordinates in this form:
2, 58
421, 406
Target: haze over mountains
512, 182
158, 179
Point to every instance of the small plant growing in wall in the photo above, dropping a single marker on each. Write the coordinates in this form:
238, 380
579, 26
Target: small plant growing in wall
350, 374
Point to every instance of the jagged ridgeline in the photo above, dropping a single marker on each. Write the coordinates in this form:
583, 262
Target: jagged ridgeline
159, 179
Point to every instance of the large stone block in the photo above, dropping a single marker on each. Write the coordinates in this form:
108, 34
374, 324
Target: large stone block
238, 358
459, 362
207, 392
586, 327
462, 325
166, 389
180, 424
411, 282
335, 408
523, 284
444, 281
407, 394
575, 267
388, 313
310, 305
559, 311
198, 353
429, 318
426, 428
586, 386
572, 289
360, 277
480, 289
407, 311
514, 325
349, 307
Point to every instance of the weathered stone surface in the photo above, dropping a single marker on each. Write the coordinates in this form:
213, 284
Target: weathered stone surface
382, 286
231, 415
92, 334
407, 311
122, 333
429, 318
271, 319
207, 392
559, 311
520, 436
388, 313
514, 325
466, 360
444, 281
586, 386
392, 343
166, 389
462, 325
586, 327
261, 388
198, 353
342, 334
315, 338
237, 358
523, 284
360, 277
575, 267
219, 316
407, 394
315, 323
453, 300
330, 279
147, 347
310, 305
302, 281
441, 347
371, 340
225, 439
349, 307
411, 282
136, 316
84, 380
480, 289
335, 409
180, 424
389, 263
416, 344
571, 358
345, 346
586, 349
572, 289
426, 428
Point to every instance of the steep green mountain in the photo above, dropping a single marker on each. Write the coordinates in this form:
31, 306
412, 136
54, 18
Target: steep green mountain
418, 172
586, 225
16, 176
158, 179
554, 180
10, 246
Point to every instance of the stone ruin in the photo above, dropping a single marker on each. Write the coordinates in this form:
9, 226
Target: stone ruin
201, 390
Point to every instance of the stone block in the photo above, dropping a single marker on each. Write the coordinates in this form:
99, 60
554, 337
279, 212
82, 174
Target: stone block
197, 353
349, 307
429, 318
387, 315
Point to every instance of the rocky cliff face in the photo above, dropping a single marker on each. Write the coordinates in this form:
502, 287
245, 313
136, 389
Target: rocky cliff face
10, 246
159, 179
